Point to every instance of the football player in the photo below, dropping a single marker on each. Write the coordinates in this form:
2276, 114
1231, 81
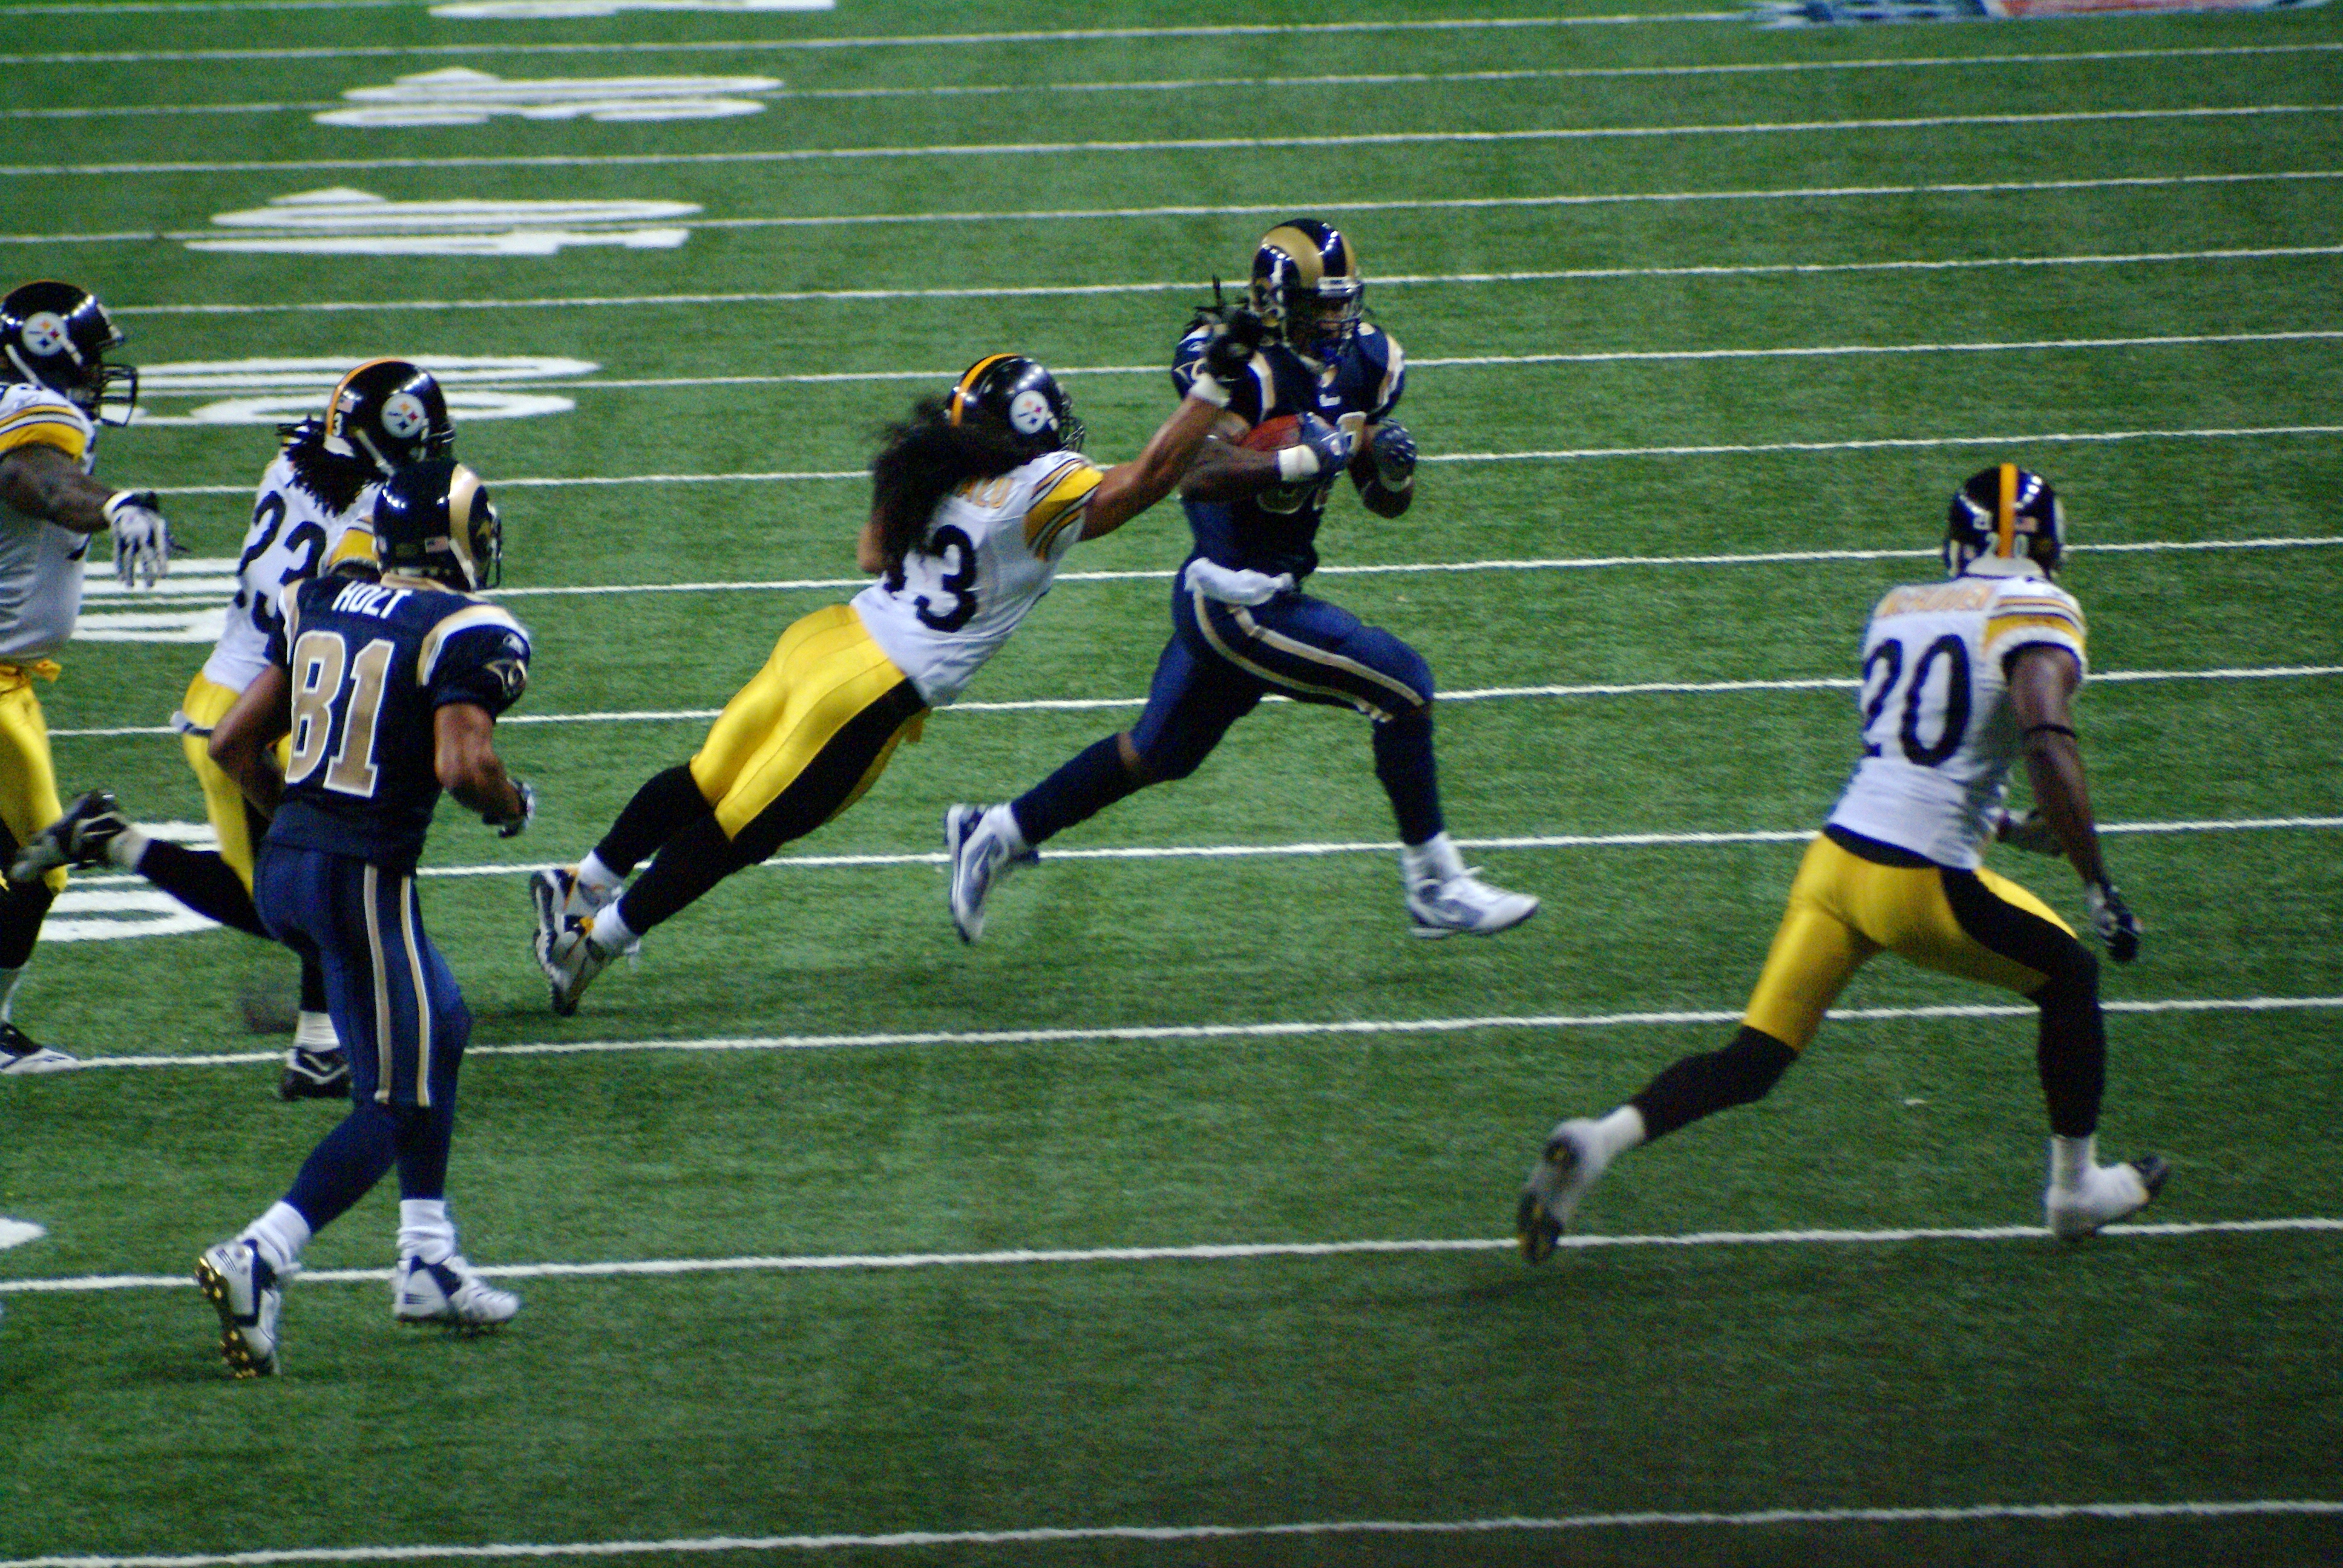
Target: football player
1960, 679
55, 391
390, 690
976, 500
313, 510
1242, 625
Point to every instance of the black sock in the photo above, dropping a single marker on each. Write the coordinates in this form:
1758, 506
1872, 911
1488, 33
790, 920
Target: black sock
2071, 1051
666, 804
688, 864
1093, 780
203, 881
312, 985
22, 907
1404, 767
1698, 1086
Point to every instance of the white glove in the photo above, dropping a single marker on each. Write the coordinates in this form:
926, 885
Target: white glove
142, 539
2031, 832
1230, 586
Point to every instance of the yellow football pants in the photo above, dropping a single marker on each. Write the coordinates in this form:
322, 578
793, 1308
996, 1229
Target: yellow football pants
1843, 909
28, 777
206, 704
824, 672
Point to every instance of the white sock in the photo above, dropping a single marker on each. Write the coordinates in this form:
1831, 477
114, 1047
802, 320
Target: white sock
1003, 822
425, 1231
1434, 861
2072, 1160
597, 878
1621, 1130
610, 931
315, 1031
8, 979
127, 848
281, 1232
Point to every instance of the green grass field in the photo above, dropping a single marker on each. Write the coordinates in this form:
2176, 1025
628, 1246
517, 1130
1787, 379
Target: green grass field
842, 1242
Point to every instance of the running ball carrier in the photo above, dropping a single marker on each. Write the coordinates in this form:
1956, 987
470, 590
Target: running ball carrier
1960, 679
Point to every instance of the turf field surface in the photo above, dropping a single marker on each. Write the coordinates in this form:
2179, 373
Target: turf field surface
1176, 1206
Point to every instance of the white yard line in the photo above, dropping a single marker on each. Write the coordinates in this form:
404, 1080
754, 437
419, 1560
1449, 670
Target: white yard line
1283, 84
1112, 1034
1427, 204
1559, 134
104, 595
1551, 455
1641, 1523
1479, 694
1081, 290
1214, 1253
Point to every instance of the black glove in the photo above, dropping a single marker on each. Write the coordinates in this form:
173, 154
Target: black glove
514, 826
1236, 336
2113, 920
1393, 451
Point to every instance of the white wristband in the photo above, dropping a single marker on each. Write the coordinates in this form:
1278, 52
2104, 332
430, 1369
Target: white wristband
1204, 389
1295, 464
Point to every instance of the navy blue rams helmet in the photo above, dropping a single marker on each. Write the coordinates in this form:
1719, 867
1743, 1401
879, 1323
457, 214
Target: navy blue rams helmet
386, 413
2004, 514
1307, 290
434, 519
1021, 395
55, 335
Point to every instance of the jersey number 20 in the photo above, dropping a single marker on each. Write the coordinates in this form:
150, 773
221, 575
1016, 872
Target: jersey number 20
1886, 663
322, 666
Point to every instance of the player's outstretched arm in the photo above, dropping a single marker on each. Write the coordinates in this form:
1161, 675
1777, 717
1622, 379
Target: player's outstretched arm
2042, 684
1129, 489
243, 740
43, 481
464, 754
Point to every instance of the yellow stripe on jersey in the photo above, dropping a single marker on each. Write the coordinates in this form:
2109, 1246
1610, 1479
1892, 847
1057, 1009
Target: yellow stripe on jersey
1060, 504
356, 545
2002, 626
40, 426
464, 619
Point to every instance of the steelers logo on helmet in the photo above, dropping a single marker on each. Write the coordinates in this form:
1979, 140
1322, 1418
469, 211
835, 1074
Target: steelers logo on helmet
1028, 412
404, 415
45, 335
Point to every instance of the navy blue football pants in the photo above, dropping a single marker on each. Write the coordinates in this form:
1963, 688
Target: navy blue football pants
1222, 660
403, 1023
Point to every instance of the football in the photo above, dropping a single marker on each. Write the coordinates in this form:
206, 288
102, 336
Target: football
1274, 435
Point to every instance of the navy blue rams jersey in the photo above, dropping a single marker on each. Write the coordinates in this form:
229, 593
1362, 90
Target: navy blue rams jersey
371, 665
1276, 530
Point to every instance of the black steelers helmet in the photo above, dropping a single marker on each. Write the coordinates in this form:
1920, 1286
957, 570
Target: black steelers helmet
386, 413
1021, 395
1307, 290
55, 335
434, 519
2004, 514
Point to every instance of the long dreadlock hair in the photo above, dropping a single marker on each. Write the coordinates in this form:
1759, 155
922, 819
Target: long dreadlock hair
924, 458
334, 479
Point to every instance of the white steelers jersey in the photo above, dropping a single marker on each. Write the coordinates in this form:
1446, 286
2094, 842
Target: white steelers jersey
40, 561
292, 538
1938, 733
992, 551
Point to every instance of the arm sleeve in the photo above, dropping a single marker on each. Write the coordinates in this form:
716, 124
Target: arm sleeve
1057, 505
2033, 615
1392, 380
46, 422
478, 655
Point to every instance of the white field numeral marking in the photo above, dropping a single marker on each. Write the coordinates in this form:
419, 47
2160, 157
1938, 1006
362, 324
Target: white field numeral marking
459, 96
340, 221
272, 391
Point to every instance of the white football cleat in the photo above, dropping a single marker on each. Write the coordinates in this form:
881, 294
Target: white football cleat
21, 1053
238, 1282
1570, 1163
980, 853
570, 958
561, 897
1438, 906
448, 1292
2108, 1193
